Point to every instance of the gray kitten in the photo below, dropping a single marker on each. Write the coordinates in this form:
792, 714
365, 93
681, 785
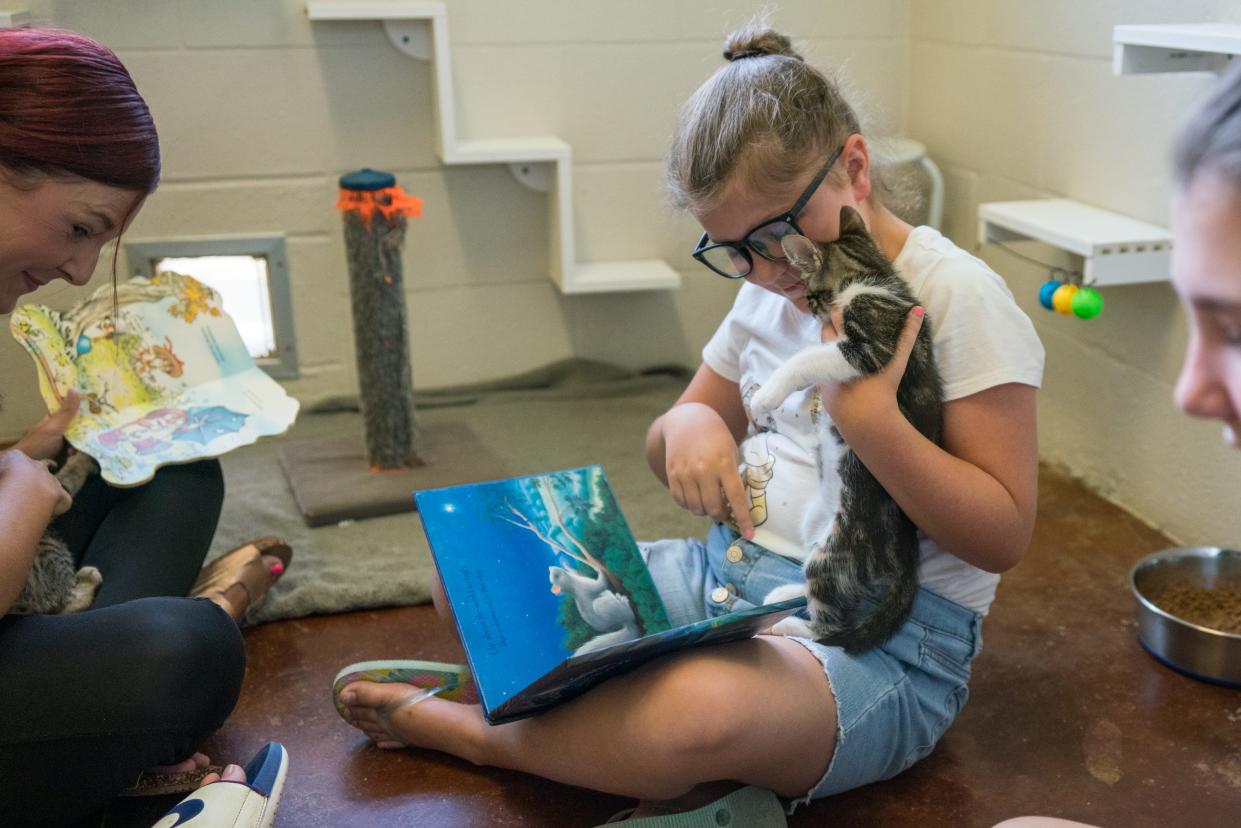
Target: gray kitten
864, 544
53, 586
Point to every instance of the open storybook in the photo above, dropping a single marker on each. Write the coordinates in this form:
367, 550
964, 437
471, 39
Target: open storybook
166, 378
549, 590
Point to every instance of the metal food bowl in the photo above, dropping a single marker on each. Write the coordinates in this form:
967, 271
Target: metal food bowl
1201, 652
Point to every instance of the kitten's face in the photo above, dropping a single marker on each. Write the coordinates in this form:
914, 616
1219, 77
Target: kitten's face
825, 266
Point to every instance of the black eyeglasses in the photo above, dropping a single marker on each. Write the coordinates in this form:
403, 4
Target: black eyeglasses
732, 260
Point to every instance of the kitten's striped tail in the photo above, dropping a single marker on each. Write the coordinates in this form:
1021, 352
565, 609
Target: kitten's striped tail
887, 618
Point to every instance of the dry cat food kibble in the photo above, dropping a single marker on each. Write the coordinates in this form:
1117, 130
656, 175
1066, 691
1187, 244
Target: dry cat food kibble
1218, 609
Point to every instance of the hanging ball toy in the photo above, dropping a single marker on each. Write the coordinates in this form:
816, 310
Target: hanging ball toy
1046, 291
1062, 299
1087, 303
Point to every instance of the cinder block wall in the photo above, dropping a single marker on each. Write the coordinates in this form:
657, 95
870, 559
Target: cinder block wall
1018, 100
260, 111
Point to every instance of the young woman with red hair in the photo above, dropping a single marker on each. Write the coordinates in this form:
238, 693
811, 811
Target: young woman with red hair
90, 700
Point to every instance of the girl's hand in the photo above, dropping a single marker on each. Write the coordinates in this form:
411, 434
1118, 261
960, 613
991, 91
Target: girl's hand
850, 404
46, 441
701, 464
34, 483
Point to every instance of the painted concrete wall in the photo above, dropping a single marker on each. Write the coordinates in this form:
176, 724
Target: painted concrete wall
1017, 100
260, 111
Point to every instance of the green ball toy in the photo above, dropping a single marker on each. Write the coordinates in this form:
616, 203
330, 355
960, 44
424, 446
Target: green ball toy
1087, 303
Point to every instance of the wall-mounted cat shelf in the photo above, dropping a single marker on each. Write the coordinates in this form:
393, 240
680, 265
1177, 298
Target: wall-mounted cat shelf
1189, 47
1115, 249
420, 30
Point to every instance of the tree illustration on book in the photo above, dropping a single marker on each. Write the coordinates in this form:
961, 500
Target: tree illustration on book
606, 595
163, 374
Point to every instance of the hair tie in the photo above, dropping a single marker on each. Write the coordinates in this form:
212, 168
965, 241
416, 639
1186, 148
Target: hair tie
743, 54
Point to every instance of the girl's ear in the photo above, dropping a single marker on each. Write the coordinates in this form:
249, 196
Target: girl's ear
803, 253
857, 166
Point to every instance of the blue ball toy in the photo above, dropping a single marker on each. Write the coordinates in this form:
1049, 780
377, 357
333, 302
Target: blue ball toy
1046, 292
83, 344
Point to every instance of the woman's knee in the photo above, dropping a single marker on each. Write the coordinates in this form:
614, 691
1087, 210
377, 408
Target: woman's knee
191, 662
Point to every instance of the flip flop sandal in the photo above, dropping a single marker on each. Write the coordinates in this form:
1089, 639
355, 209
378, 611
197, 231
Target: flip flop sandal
448, 681
242, 566
225, 804
155, 783
744, 808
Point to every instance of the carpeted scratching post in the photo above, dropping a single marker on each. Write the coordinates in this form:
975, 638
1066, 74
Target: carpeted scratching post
334, 480
374, 210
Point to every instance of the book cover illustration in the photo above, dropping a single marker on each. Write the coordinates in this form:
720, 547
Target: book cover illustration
537, 569
165, 379
549, 590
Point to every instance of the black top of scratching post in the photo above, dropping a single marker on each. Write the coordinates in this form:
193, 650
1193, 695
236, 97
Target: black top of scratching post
367, 179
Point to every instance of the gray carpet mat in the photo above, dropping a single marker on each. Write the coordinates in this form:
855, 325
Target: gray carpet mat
570, 414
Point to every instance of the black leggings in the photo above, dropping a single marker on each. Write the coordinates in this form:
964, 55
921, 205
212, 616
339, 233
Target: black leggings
89, 700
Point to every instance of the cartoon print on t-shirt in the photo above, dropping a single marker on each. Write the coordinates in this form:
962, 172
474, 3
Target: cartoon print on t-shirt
757, 469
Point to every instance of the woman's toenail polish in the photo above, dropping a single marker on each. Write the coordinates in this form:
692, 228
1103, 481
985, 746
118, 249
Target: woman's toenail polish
277, 568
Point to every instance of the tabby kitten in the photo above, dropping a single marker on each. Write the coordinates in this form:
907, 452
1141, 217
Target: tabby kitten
864, 544
52, 585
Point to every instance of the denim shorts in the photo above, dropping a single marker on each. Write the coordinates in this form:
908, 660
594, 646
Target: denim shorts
892, 702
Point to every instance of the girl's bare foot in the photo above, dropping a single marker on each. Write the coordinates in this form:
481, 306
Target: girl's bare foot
398, 715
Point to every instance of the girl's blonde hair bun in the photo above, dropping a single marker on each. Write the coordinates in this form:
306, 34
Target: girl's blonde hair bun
757, 40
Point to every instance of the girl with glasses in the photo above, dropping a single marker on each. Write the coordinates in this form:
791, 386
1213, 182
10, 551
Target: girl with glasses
767, 146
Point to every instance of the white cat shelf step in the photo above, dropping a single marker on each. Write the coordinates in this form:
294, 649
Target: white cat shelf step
543, 163
1115, 249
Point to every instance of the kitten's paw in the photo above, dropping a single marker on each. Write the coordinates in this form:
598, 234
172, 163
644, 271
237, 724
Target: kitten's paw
765, 401
784, 592
77, 467
793, 627
84, 589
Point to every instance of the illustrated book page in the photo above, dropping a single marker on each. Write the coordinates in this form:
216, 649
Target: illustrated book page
165, 379
549, 589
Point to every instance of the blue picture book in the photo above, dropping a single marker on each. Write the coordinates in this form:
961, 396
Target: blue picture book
549, 591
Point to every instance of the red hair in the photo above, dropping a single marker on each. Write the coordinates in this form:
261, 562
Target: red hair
68, 105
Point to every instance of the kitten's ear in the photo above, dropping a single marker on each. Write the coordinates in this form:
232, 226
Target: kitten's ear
803, 253
851, 221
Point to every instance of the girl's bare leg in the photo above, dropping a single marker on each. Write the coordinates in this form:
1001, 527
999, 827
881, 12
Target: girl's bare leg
759, 712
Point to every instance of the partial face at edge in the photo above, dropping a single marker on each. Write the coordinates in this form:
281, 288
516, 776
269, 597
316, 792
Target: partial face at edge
1206, 272
55, 230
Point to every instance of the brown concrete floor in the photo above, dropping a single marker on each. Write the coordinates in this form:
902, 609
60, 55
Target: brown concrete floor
1068, 715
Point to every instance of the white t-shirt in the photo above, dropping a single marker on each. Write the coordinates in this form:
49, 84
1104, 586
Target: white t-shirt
981, 339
